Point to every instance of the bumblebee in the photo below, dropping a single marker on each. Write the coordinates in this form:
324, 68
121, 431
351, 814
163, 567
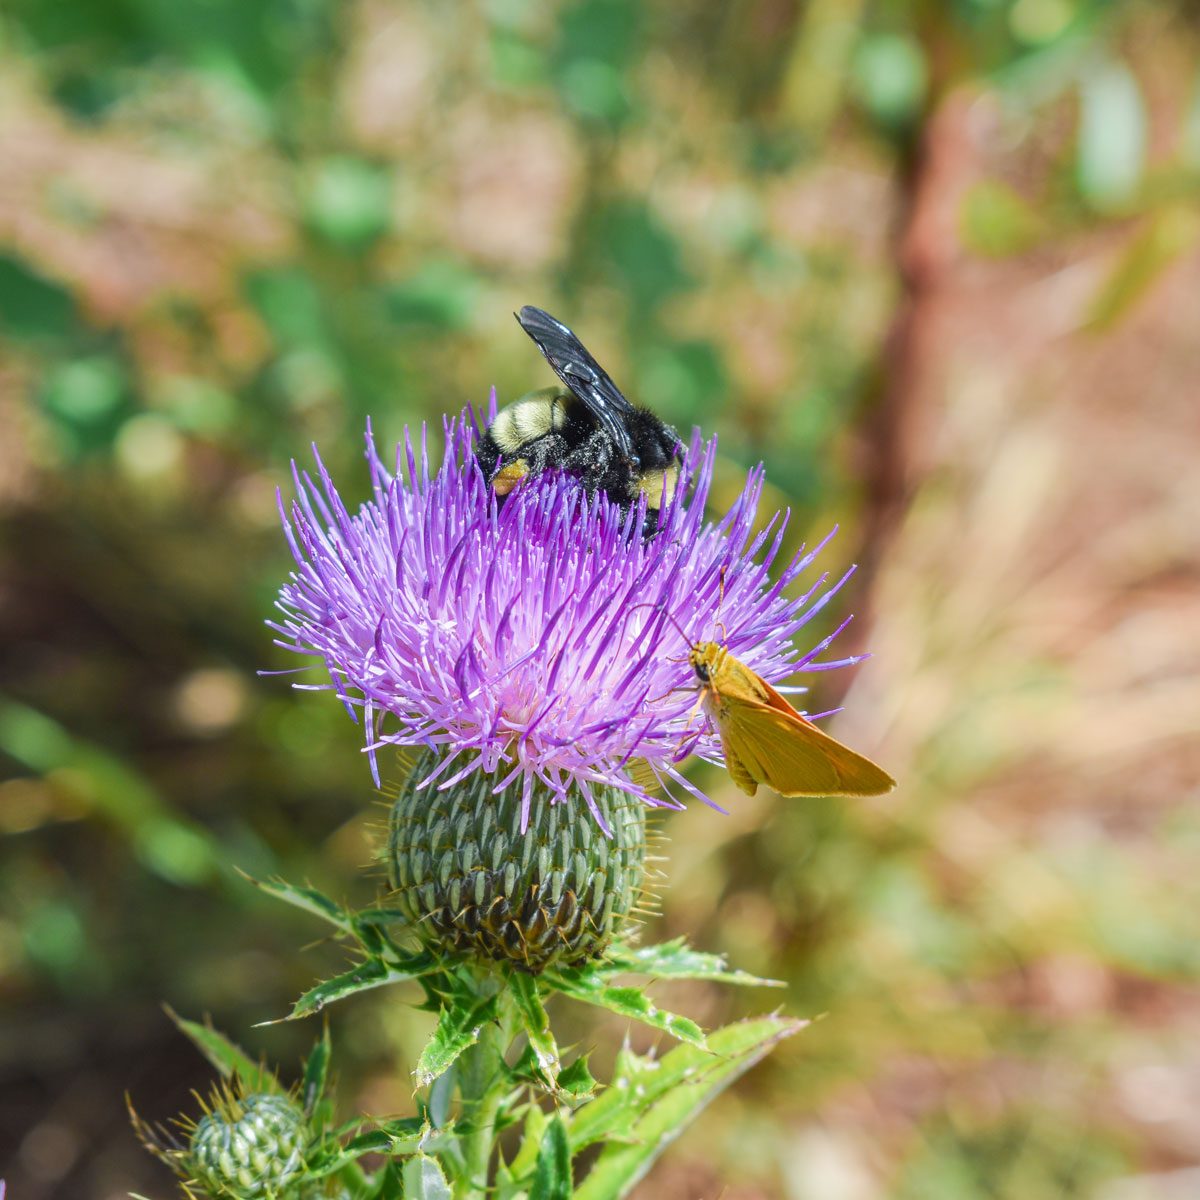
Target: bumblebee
585, 427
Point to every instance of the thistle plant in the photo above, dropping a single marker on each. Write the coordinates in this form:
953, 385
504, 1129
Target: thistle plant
520, 674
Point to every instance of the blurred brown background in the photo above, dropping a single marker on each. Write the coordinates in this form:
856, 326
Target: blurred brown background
937, 264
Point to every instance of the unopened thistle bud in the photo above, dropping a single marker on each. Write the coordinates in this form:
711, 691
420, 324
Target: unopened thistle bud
473, 877
249, 1147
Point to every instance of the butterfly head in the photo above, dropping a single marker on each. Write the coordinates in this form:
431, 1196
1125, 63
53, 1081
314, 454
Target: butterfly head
704, 659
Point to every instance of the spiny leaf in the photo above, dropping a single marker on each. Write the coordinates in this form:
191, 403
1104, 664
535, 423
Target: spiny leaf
423, 1179
677, 960
525, 992
375, 1141
227, 1057
367, 975
308, 900
389, 1184
321, 1166
552, 1175
405, 1133
440, 1096
531, 1142
458, 1027
682, 1083
576, 1080
588, 985
611, 1115
316, 1071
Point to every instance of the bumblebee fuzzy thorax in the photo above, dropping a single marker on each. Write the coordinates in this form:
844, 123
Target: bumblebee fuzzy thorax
529, 418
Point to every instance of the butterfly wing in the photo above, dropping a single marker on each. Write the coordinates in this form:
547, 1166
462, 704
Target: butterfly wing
765, 744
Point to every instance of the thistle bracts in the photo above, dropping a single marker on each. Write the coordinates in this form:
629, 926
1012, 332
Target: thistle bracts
247, 1144
472, 880
250, 1147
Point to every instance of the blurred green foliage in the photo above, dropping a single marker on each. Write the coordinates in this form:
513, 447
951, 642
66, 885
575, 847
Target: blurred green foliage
230, 229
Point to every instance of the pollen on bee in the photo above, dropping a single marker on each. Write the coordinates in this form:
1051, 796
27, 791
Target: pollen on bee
508, 477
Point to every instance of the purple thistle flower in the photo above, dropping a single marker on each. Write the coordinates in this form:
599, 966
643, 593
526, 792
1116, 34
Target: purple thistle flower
542, 641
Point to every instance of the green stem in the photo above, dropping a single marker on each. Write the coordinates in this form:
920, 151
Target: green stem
483, 1084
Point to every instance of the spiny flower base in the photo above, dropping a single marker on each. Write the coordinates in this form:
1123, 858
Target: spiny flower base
469, 880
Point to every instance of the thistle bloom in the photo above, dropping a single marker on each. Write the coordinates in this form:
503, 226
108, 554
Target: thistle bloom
542, 643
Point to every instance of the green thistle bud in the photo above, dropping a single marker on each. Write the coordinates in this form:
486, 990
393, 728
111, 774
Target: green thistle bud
469, 880
249, 1147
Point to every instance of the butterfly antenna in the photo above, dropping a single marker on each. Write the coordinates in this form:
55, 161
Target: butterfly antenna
720, 601
666, 612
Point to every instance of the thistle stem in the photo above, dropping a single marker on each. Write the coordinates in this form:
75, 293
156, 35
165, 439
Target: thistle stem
483, 1083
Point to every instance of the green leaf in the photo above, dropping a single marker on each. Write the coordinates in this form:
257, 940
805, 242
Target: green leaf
335, 1158
389, 1184
458, 1027
587, 984
440, 1096
552, 1175
677, 960
375, 1141
531, 1142
316, 1071
576, 1080
524, 990
525, 1069
667, 1097
367, 975
414, 1135
403, 1127
308, 900
423, 1179
611, 1116
228, 1058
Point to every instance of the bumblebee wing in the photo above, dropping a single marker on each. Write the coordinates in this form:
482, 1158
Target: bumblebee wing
581, 373
792, 756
